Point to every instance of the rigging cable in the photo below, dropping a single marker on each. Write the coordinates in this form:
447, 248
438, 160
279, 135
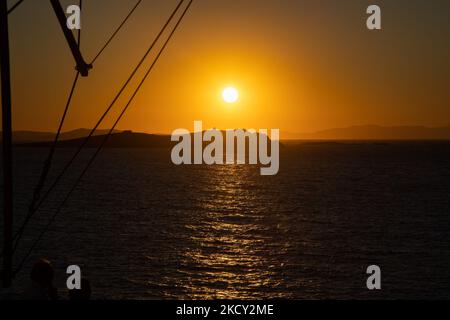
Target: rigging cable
15, 6
91, 161
48, 161
115, 32
85, 141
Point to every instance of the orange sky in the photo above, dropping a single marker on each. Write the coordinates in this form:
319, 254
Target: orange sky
300, 66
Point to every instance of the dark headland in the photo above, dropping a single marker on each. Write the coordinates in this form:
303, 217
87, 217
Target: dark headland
123, 139
129, 139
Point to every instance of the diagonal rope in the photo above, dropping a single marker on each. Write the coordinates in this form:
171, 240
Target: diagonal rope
18, 3
86, 140
48, 161
116, 32
105, 139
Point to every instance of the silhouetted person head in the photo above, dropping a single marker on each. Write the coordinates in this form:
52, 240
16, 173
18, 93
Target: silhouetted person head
42, 273
41, 286
81, 294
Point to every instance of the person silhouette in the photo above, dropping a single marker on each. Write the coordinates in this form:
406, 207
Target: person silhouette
41, 287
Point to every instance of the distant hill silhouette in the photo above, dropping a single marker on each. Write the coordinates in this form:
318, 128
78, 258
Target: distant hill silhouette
20, 137
143, 140
124, 139
373, 132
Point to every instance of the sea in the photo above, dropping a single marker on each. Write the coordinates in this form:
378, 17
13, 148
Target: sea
140, 227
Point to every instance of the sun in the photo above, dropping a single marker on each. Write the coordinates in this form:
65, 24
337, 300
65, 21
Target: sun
230, 95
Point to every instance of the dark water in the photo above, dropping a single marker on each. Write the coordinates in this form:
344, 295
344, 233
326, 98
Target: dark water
142, 228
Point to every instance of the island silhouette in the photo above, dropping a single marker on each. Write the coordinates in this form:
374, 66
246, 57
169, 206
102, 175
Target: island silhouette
130, 139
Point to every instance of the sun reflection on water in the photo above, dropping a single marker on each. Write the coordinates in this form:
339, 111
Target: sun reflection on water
231, 254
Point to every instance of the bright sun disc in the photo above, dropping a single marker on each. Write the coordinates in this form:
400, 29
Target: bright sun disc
230, 95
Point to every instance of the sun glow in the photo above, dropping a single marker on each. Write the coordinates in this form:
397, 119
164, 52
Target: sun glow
230, 95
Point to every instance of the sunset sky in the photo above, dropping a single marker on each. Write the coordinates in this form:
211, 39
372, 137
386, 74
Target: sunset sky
299, 66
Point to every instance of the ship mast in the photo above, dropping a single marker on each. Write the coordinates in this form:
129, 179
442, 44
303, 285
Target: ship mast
81, 66
7, 148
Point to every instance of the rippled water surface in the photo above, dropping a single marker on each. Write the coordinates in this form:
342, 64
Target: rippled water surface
142, 228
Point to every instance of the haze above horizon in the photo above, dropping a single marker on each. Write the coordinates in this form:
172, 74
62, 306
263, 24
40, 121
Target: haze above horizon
300, 66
